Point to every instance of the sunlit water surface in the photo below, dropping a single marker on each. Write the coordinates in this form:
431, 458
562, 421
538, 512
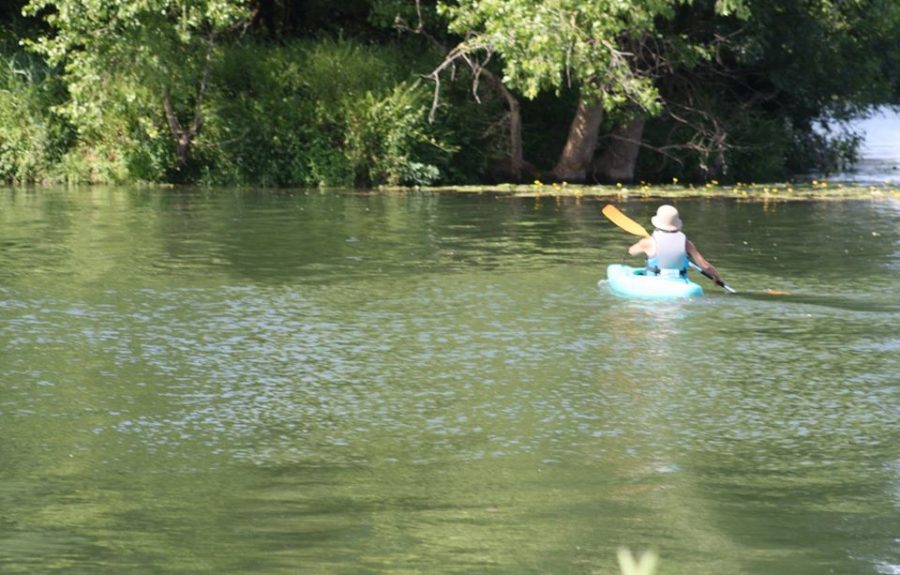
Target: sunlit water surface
879, 153
349, 383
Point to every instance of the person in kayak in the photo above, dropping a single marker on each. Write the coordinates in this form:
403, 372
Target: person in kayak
668, 250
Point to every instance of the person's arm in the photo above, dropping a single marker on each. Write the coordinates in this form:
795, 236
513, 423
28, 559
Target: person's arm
643, 246
698, 259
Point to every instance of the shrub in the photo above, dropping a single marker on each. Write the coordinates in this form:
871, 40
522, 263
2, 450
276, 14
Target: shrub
32, 137
324, 113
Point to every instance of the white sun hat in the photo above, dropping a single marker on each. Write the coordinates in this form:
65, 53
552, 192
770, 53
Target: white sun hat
666, 219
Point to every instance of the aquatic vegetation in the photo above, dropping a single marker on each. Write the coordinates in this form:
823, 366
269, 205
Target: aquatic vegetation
783, 192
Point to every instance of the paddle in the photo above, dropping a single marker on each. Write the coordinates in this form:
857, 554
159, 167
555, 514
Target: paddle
719, 283
632, 227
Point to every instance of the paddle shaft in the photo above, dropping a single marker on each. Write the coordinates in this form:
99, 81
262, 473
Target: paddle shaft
719, 283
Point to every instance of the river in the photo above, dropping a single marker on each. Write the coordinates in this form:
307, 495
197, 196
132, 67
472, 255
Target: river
879, 161
353, 383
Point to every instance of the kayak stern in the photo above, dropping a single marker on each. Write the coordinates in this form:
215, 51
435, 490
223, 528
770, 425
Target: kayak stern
627, 281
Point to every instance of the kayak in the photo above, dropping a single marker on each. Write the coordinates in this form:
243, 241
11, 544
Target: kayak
634, 282
627, 281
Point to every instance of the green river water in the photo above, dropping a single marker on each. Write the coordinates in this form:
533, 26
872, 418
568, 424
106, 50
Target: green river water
351, 383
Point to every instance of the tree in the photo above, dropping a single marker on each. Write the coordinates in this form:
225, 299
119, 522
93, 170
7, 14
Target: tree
754, 109
129, 65
594, 46
515, 165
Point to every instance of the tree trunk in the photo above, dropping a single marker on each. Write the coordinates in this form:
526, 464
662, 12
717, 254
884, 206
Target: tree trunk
516, 157
516, 154
578, 152
184, 137
617, 162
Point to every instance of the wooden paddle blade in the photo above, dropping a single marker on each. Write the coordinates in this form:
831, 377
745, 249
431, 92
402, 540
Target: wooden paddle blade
623, 221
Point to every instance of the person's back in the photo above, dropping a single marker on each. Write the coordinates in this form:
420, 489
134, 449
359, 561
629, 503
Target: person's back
668, 250
669, 253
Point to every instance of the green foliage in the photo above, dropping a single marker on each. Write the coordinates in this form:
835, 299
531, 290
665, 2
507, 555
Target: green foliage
323, 113
476, 131
304, 113
751, 113
118, 61
761, 147
550, 45
826, 150
744, 146
543, 44
32, 138
382, 133
734, 87
819, 56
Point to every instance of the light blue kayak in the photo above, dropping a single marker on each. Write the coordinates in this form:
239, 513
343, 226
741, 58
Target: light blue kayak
627, 281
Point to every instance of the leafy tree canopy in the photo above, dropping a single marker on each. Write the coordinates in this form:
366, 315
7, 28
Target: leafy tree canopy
156, 43
547, 45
